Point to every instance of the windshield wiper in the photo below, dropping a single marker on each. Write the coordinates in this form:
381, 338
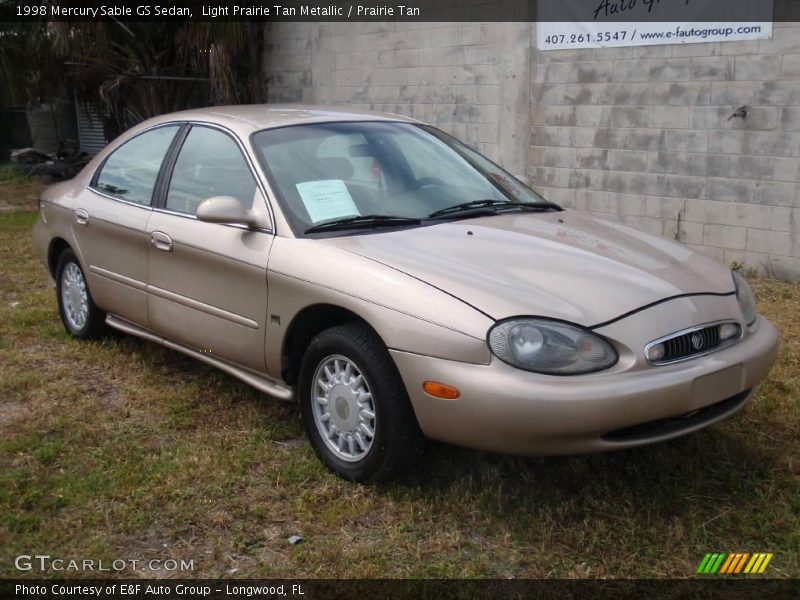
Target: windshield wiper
534, 206
493, 206
364, 221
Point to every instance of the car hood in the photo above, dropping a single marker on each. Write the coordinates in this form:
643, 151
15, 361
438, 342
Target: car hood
561, 265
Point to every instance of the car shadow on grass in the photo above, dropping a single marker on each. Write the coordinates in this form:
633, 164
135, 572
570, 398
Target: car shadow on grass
700, 474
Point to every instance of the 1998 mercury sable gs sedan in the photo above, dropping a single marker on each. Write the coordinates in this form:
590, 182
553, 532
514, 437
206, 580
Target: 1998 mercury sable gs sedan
397, 285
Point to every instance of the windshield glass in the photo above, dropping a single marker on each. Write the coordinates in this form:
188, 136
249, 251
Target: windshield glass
327, 172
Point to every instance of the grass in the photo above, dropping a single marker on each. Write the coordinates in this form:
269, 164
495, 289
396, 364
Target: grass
17, 190
122, 449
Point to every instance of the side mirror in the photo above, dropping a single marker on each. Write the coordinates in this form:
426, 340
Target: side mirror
226, 209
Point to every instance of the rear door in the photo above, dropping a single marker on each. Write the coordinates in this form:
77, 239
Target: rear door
207, 282
110, 222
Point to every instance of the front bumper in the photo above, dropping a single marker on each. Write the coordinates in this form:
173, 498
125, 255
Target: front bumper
504, 409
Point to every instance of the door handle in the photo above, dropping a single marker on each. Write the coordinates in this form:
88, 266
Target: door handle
161, 241
81, 216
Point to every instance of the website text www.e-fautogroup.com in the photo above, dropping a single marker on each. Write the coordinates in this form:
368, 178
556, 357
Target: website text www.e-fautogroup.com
45, 563
574, 35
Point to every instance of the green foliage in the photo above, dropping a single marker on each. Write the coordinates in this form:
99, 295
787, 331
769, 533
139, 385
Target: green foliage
30, 71
12, 173
131, 71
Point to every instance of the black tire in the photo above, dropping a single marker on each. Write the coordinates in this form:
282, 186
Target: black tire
95, 320
397, 442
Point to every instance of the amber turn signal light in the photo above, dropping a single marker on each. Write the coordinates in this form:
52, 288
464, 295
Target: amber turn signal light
440, 390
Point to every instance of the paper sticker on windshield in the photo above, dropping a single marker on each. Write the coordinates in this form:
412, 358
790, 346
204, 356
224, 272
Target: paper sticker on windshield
327, 199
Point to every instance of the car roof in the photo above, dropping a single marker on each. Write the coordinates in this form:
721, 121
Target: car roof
247, 118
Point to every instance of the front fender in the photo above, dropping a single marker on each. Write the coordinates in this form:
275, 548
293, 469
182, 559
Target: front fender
408, 314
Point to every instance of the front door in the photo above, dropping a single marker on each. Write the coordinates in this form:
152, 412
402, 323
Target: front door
207, 282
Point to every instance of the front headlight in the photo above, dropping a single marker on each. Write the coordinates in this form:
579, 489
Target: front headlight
746, 298
550, 347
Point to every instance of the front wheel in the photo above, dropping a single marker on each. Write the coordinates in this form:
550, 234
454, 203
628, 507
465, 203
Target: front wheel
355, 407
81, 317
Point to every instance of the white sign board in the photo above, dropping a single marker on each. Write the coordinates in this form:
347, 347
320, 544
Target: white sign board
575, 24
563, 35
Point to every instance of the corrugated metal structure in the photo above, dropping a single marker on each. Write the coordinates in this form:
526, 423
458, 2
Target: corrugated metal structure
91, 136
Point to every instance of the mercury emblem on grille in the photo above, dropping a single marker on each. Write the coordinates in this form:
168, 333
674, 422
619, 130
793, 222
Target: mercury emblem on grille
697, 341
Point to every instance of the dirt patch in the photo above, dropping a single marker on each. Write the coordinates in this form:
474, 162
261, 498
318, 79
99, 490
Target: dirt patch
12, 412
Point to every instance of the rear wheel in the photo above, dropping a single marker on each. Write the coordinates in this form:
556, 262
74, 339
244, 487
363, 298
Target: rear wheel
355, 407
81, 317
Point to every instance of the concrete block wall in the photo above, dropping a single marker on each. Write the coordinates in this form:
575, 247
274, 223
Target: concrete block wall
469, 79
643, 136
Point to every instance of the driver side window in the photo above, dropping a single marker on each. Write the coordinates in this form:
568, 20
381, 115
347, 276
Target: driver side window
210, 164
130, 172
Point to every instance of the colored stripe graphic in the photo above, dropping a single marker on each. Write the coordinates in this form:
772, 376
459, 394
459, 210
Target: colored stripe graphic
756, 558
717, 563
740, 564
703, 563
711, 562
736, 563
765, 562
732, 558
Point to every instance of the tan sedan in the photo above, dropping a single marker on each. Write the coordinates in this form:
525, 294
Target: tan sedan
397, 285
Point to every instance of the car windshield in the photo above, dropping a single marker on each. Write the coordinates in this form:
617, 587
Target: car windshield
386, 174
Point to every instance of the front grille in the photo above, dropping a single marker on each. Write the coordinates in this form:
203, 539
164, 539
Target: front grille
690, 344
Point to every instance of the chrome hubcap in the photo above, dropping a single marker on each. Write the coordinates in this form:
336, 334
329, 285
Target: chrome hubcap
344, 412
74, 297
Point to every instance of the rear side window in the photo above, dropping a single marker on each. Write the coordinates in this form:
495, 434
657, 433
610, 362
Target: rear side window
209, 164
130, 172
